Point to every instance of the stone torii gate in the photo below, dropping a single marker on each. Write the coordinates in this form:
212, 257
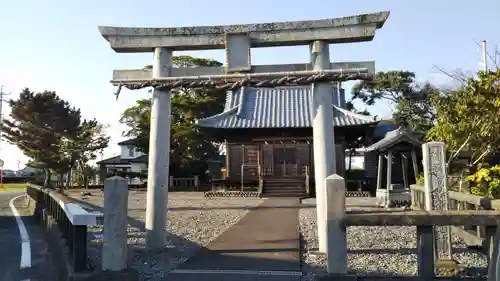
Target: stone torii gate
238, 41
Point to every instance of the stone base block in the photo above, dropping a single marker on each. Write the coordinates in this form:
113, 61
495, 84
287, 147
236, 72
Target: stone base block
393, 198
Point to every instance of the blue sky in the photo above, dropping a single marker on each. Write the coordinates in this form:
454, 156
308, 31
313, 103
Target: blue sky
55, 45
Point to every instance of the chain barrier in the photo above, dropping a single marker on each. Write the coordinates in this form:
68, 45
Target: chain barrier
226, 84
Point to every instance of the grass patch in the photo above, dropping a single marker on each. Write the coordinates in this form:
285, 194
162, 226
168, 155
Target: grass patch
13, 186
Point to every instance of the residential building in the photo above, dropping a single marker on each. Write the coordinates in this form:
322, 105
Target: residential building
129, 161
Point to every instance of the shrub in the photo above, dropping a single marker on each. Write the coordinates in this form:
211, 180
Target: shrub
420, 180
486, 182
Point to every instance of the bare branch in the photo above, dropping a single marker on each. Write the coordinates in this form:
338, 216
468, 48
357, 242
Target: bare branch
460, 77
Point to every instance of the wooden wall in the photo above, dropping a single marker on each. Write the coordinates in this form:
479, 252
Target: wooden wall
276, 158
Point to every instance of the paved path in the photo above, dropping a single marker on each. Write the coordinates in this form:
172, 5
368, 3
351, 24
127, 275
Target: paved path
33, 256
264, 245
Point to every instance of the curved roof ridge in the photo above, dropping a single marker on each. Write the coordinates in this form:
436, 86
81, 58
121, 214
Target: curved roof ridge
394, 137
354, 114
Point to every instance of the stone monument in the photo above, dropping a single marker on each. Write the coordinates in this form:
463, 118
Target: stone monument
436, 193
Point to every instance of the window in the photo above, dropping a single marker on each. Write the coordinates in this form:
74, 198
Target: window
130, 151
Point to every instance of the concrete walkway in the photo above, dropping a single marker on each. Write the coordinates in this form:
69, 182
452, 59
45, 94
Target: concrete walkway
264, 245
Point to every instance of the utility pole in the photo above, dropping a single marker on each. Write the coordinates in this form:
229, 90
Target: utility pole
2, 95
484, 54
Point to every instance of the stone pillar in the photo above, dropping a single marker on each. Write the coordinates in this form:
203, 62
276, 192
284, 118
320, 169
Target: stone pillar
436, 192
380, 169
414, 163
114, 252
427, 170
389, 170
197, 181
336, 249
380, 193
159, 154
404, 168
323, 135
388, 187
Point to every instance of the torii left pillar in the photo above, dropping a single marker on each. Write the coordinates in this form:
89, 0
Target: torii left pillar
159, 155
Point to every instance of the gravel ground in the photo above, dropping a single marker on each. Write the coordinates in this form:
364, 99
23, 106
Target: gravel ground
377, 250
193, 222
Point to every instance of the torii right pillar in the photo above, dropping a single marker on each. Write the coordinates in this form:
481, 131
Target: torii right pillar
323, 135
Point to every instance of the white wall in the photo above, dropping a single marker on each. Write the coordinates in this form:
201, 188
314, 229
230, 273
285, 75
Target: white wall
125, 152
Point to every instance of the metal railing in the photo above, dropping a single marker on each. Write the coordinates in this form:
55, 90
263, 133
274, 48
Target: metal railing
72, 220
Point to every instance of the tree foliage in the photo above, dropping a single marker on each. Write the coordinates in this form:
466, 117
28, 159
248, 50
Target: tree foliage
188, 143
470, 115
411, 100
51, 132
350, 107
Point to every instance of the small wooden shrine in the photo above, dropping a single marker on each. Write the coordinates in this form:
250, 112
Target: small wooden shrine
398, 166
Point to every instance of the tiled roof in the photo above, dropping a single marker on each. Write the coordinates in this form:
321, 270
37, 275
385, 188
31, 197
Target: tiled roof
394, 138
280, 107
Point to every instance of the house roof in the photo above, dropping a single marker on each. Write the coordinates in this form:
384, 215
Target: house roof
280, 107
128, 142
393, 138
117, 160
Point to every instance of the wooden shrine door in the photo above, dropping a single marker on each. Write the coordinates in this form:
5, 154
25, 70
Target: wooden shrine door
285, 160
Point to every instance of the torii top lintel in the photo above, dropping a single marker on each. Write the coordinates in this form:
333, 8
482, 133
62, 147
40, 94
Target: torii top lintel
357, 28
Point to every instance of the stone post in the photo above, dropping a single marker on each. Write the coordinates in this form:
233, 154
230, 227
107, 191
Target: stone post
323, 135
336, 249
404, 172
159, 155
196, 182
414, 163
389, 171
388, 187
114, 252
381, 193
436, 193
427, 182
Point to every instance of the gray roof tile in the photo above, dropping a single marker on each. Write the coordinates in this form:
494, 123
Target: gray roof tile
280, 107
